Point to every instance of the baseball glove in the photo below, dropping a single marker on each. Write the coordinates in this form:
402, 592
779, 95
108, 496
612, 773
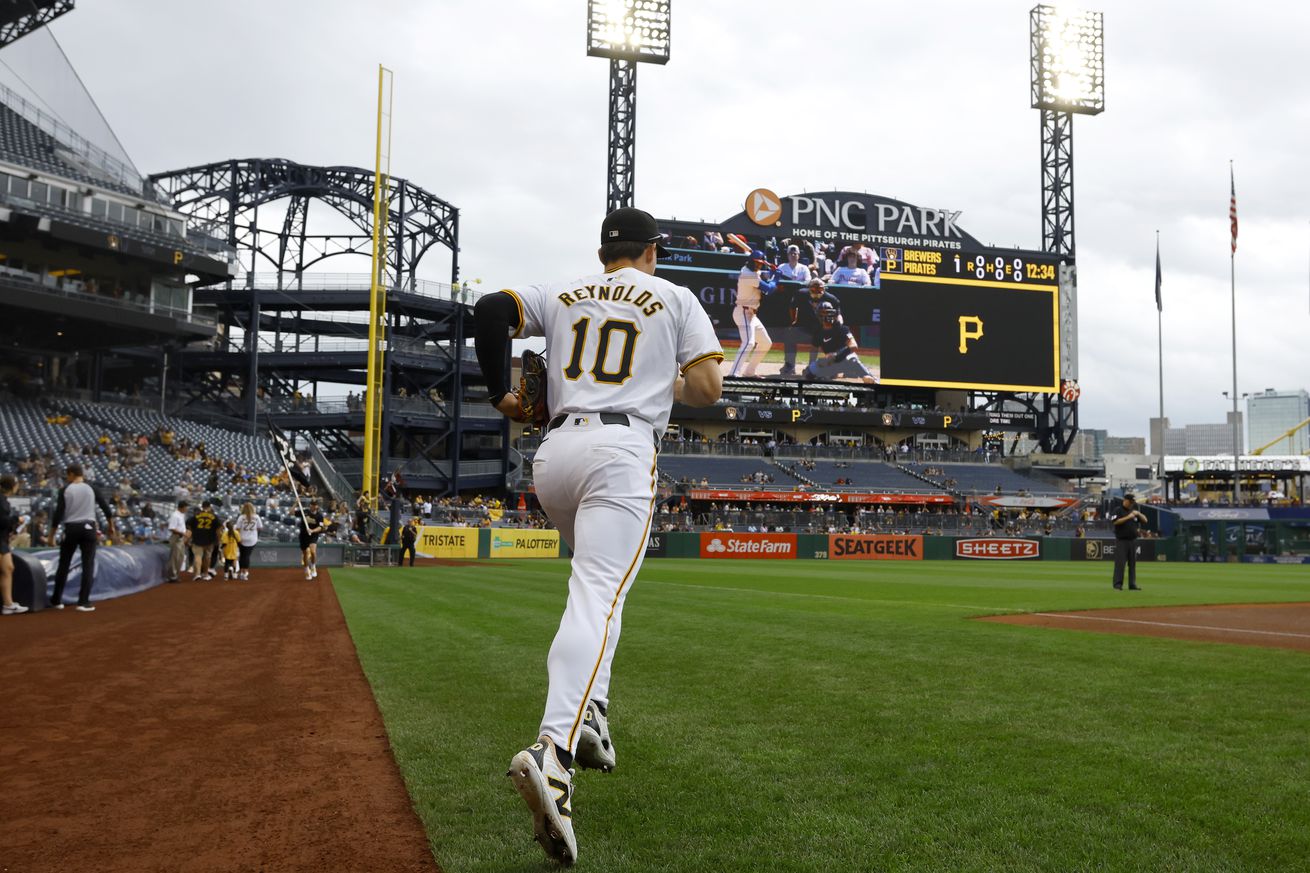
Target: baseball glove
532, 389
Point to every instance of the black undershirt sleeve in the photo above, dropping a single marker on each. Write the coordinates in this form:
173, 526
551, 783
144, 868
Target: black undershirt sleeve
495, 316
104, 507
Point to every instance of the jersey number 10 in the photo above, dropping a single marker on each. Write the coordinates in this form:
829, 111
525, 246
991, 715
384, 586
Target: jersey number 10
607, 330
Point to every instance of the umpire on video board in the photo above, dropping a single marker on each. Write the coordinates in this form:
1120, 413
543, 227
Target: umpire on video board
805, 326
1126, 520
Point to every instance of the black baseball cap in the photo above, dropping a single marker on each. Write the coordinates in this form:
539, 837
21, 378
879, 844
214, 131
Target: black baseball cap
632, 225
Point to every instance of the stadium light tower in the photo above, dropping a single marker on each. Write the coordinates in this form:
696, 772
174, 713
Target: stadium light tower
628, 32
1068, 77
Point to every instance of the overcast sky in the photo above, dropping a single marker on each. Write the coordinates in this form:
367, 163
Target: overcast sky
499, 111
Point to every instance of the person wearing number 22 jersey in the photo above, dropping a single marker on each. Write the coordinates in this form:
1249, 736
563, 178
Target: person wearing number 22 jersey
621, 346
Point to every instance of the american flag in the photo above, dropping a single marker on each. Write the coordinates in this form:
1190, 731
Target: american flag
1232, 206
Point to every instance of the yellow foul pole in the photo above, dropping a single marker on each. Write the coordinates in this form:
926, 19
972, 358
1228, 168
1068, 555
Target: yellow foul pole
377, 309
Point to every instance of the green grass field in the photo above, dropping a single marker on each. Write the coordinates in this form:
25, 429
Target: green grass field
849, 717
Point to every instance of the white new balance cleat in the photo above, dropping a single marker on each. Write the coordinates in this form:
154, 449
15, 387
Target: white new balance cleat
547, 788
595, 749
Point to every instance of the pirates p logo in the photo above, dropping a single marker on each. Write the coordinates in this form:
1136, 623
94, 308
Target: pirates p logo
763, 207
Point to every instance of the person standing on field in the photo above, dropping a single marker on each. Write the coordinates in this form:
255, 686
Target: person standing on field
248, 526
621, 345
77, 510
8, 485
177, 540
1127, 517
409, 540
203, 527
229, 542
311, 525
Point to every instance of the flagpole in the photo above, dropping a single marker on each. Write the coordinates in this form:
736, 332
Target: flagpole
278, 442
1232, 277
1159, 333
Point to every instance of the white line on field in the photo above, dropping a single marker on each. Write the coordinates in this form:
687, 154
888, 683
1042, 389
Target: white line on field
1231, 630
816, 596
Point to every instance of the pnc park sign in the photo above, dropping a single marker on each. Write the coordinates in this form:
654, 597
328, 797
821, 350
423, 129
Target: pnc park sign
869, 218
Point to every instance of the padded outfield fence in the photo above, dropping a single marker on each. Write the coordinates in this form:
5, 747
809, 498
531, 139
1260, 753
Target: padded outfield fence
490, 543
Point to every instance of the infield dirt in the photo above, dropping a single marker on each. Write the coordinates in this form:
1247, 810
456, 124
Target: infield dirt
218, 726
1277, 625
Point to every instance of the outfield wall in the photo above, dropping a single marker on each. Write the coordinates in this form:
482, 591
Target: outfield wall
891, 547
464, 543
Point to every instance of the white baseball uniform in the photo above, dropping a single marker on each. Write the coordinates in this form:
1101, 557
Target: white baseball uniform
755, 340
615, 343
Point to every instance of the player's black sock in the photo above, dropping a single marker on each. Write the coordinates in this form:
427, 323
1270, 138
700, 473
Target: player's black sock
603, 708
565, 757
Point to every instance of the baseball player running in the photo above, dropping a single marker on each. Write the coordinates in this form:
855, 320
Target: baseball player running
755, 341
838, 343
622, 345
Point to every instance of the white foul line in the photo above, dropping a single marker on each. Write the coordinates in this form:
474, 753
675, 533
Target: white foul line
1231, 630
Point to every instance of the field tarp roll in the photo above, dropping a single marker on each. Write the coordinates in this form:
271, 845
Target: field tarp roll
120, 570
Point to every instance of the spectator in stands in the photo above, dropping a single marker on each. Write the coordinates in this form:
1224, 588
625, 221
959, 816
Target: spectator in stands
203, 529
248, 526
39, 531
851, 273
792, 268
8, 521
77, 511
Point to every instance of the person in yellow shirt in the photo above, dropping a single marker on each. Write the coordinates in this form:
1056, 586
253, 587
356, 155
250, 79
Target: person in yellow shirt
230, 543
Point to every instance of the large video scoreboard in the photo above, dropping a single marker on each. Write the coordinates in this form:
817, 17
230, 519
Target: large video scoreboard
941, 310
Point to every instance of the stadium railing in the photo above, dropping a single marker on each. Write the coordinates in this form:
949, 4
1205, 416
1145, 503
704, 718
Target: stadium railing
355, 282
114, 169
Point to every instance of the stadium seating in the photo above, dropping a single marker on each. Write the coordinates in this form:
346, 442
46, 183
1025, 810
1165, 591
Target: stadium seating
864, 475
28, 426
983, 478
719, 470
25, 144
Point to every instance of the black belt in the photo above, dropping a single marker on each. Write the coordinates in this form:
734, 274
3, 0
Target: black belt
605, 418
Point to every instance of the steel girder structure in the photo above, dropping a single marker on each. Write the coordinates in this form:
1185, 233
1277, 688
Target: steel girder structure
622, 134
1057, 182
223, 200
1057, 417
18, 18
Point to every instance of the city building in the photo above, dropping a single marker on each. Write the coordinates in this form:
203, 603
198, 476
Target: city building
1271, 414
1196, 439
1116, 445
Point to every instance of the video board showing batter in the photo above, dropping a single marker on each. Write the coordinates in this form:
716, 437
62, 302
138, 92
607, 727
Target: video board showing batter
895, 309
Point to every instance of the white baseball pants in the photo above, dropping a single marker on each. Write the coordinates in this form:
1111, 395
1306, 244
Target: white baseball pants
597, 484
755, 340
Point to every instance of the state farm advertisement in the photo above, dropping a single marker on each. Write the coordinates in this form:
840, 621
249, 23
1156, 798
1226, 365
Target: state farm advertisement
724, 544
875, 548
998, 549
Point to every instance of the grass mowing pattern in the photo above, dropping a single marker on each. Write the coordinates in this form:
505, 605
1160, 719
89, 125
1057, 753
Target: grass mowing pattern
798, 715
